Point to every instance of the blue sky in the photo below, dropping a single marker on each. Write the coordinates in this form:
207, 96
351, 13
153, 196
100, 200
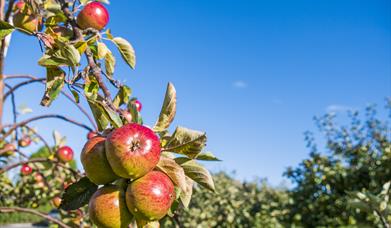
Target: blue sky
251, 73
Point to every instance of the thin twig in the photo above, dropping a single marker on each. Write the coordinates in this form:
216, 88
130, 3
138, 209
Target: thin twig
40, 137
23, 123
69, 97
34, 212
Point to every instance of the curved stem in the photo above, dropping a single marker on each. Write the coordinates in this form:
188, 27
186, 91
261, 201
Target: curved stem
69, 97
40, 137
34, 212
23, 123
22, 84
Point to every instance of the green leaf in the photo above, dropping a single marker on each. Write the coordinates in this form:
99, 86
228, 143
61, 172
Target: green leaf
186, 141
109, 64
207, 156
102, 50
168, 110
52, 61
91, 87
174, 171
186, 195
198, 173
71, 54
78, 194
123, 96
5, 29
126, 51
76, 96
101, 117
54, 83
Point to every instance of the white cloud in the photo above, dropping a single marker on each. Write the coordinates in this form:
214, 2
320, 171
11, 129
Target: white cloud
239, 84
338, 108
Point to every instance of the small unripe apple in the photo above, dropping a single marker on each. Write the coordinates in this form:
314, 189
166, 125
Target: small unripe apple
24, 141
107, 208
138, 105
56, 201
93, 15
132, 150
65, 154
91, 134
93, 158
9, 149
150, 197
26, 170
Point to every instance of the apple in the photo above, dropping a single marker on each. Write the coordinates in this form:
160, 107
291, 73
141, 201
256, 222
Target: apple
150, 197
56, 201
9, 149
26, 170
107, 208
138, 104
93, 15
25, 141
132, 150
91, 134
65, 154
96, 166
19, 5
38, 177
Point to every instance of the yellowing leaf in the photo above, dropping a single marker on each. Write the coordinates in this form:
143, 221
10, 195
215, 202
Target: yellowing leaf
126, 51
168, 110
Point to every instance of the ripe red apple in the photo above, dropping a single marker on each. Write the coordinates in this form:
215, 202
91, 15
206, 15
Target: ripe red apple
56, 201
93, 158
132, 150
93, 15
24, 141
107, 208
91, 134
19, 5
65, 153
150, 197
138, 104
26, 170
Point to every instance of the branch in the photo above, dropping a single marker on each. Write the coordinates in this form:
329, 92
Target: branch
34, 212
40, 160
40, 137
69, 97
23, 123
22, 84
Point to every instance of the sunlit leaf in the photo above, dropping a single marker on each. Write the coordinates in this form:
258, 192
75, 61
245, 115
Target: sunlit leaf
126, 51
168, 110
54, 83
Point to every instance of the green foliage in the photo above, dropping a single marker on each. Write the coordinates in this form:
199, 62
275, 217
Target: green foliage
78, 194
357, 159
234, 204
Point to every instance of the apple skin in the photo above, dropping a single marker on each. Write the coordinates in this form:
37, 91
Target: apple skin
150, 197
91, 134
93, 15
65, 154
107, 208
19, 5
96, 166
26, 170
25, 141
132, 150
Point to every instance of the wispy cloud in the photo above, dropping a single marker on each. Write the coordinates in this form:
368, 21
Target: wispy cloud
239, 84
338, 108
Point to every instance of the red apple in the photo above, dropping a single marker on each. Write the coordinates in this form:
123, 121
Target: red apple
107, 208
150, 197
26, 170
91, 134
19, 5
93, 15
25, 141
138, 104
38, 177
93, 158
65, 153
132, 150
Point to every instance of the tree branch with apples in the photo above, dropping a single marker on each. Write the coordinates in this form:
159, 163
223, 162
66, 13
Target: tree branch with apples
135, 175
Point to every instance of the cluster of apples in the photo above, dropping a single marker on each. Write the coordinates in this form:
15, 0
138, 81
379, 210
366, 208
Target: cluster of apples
94, 15
126, 156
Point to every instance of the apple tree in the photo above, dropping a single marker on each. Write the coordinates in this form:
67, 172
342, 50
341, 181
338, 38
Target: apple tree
135, 175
